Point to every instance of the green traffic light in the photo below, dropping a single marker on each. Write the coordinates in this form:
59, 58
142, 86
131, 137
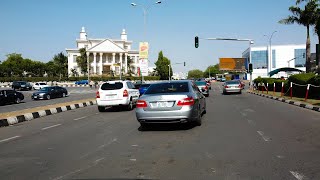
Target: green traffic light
196, 41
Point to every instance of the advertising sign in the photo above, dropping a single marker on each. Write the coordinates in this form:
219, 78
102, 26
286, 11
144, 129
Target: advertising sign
143, 50
143, 64
232, 64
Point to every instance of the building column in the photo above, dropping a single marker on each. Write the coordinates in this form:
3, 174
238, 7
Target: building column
95, 63
113, 61
88, 62
120, 55
100, 63
126, 62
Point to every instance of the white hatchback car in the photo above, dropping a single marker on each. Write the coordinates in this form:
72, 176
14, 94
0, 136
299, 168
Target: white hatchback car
117, 93
39, 85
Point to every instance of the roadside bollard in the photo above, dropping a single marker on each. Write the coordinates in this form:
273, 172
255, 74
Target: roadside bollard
282, 84
267, 88
308, 87
291, 90
274, 88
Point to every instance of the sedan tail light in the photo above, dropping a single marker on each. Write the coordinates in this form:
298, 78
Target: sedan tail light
240, 85
125, 93
226, 86
141, 104
97, 94
186, 102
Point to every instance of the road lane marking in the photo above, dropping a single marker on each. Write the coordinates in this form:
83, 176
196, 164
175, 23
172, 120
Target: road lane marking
133, 159
134, 145
50, 127
97, 161
243, 114
265, 138
80, 118
280, 157
250, 122
8, 139
298, 175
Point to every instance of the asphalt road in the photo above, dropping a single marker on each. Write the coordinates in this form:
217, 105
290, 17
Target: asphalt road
242, 137
75, 93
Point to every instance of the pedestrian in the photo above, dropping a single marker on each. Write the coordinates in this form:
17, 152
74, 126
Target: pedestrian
91, 84
95, 84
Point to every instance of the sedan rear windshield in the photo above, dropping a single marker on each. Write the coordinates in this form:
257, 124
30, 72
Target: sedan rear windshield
172, 87
42, 84
200, 83
232, 82
112, 86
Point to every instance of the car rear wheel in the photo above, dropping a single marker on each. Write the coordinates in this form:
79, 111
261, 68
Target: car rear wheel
63, 94
101, 108
48, 97
198, 122
18, 100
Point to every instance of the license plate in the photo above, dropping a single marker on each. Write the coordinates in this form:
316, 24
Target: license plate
108, 97
162, 104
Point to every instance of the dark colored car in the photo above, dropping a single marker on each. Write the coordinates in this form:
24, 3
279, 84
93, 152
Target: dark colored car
81, 82
21, 85
50, 92
10, 96
143, 88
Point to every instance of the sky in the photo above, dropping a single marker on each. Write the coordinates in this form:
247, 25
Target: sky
39, 29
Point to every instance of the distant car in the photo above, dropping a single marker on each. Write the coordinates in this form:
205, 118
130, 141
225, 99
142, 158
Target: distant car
21, 85
203, 87
49, 93
39, 85
143, 88
10, 96
233, 86
171, 102
223, 79
81, 82
117, 93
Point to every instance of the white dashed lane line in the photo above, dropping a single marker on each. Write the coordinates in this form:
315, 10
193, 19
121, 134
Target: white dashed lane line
298, 175
8, 139
45, 128
265, 138
80, 118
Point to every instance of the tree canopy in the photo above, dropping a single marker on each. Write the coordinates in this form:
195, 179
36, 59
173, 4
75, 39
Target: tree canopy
162, 66
196, 73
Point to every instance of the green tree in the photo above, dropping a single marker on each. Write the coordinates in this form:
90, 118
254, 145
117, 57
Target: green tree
61, 61
52, 69
162, 66
213, 70
303, 16
196, 73
129, 62
13, 65
38, 68
82, 61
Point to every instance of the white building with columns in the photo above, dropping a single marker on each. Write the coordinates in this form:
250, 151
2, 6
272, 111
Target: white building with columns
107, 56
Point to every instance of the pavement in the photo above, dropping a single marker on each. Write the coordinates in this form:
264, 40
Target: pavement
75, 93
242, 136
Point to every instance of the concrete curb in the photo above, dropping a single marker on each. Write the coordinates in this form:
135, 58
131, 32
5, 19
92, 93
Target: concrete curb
42, 113
295, 103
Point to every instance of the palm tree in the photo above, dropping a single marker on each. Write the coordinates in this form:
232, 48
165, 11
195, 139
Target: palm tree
306, 18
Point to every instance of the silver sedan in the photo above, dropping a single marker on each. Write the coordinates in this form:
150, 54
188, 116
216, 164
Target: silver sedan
234, 86
171, 102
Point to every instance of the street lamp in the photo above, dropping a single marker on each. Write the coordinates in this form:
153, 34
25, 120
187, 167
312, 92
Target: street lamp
145, 9
270, 51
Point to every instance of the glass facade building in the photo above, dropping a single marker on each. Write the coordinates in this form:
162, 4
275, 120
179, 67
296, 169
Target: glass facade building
259, 59
300, 58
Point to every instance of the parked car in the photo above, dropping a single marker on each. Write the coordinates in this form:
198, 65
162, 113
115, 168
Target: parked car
117, 93
10, 96
143, 88
223, 79
171, 102
39, 85
81, 82
203, 87
50, 92
21, 85
233, 86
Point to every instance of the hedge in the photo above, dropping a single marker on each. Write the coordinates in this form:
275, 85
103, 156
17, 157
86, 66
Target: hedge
95, 78
298, 91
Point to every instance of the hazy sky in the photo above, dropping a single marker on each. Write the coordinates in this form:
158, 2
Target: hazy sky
38, 29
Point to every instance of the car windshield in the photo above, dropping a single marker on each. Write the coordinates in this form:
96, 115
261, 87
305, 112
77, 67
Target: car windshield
42, 84
112, 86
22, 83
200, 83
169, 87
144, 85
46, 89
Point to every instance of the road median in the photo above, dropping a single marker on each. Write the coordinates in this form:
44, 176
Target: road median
15, 117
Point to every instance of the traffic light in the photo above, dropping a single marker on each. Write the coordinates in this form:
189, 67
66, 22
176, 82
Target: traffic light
196, 41
250, 68
184, 63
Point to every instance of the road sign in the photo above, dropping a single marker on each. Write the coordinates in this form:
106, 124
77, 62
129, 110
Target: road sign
143, 64
143, 50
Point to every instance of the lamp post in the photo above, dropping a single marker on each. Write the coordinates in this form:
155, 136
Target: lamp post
145, 9
270, 63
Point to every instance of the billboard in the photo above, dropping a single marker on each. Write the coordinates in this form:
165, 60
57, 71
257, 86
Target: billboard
232, 64
143, 50
143, 64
